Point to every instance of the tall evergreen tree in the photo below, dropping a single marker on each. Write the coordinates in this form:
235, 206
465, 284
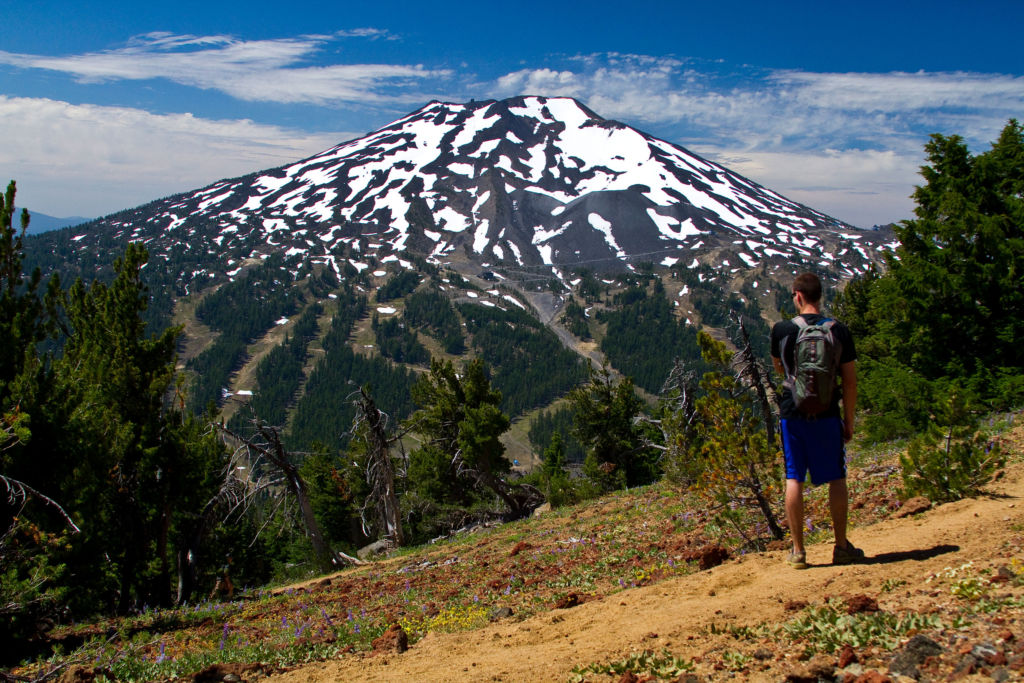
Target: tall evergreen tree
115, 378
950, 306
605, 412
460, 424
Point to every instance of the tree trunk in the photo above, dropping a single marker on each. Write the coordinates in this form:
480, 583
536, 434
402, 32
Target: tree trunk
162, 593
275, 452
765, 505
751, 369
380, 471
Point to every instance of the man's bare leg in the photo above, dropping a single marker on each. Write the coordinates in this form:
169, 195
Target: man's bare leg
838, 503
795, 512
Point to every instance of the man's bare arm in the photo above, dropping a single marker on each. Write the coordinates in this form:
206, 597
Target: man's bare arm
848, 371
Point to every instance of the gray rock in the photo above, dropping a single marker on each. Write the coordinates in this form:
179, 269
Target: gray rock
913, 654
984, 651
375, 548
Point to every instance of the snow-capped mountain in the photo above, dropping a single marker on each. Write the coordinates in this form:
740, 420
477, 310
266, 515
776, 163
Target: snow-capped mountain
528, 181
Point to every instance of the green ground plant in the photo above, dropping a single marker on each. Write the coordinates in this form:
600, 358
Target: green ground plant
828, 627
663, 667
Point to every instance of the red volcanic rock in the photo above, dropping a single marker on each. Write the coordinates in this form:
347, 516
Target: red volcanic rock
392, 640
856, 604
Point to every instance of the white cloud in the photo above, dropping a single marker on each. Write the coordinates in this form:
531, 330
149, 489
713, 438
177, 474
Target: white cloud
250, 70
780, 109
904, 92
849, 144
542, 82
91, 160
861, 187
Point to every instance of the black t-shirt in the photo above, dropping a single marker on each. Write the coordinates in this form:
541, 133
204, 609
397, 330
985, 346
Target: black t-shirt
788, 328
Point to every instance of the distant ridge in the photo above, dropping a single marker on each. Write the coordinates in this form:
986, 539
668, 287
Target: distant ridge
40, 222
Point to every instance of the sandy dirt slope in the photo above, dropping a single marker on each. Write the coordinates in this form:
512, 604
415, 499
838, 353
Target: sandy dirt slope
677, 613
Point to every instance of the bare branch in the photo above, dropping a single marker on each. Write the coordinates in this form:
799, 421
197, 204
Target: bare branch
20, 491
266, 443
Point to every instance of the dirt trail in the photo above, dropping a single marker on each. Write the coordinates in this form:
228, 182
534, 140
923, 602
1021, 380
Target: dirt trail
677, 613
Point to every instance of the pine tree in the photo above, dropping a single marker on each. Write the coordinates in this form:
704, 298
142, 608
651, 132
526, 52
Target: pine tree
724, 452
950, 306
460, 423
605, 422
115, 378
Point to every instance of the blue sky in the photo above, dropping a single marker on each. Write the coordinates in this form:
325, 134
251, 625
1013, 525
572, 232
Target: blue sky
107, 105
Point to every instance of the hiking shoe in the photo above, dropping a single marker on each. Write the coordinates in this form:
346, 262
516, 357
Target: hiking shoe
847, 555
797, 560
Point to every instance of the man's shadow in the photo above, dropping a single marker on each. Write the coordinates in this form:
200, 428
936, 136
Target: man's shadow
900, 556
918, 555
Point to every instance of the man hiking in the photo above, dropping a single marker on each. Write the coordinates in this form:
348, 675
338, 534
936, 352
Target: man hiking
811, 352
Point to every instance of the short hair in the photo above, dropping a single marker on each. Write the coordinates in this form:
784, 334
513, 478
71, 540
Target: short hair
809, 285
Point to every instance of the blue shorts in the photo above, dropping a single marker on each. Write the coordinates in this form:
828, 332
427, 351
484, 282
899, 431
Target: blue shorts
815, 445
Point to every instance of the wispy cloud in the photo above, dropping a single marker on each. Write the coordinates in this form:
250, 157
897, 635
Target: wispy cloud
278, 70
764, 109
826, 139
92, 160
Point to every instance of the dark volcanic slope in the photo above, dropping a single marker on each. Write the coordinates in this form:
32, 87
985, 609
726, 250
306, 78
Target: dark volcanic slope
527, 181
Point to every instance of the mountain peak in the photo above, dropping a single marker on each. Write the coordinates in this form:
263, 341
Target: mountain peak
528, 181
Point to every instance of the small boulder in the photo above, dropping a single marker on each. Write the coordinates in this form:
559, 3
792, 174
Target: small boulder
859, 603
217, 673
570, 600
913, 506
375, 548
707, 556
816, 669
913, 654
392, 640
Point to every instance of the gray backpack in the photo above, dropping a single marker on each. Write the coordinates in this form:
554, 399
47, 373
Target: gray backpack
812, 380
